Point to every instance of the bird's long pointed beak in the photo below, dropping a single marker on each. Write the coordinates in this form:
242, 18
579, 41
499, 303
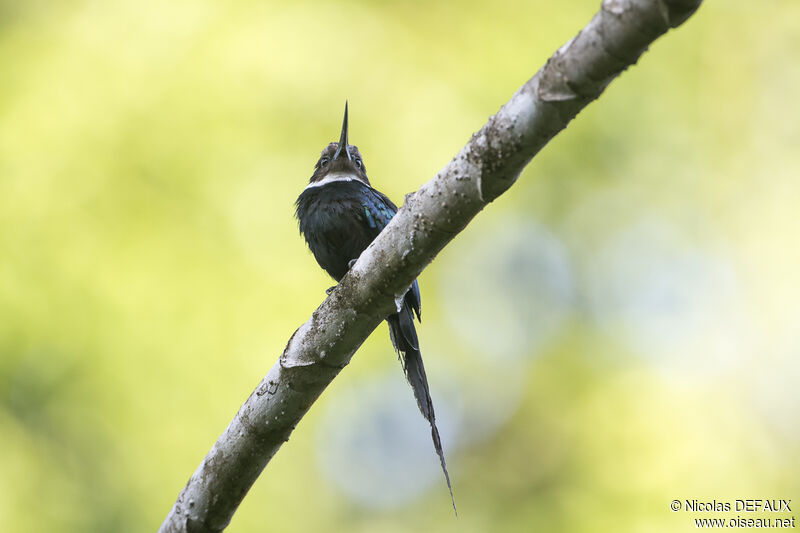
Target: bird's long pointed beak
343, 137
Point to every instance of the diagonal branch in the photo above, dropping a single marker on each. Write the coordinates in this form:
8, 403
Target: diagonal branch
485, 168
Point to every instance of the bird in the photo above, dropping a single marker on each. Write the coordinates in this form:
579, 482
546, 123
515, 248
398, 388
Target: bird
339, 214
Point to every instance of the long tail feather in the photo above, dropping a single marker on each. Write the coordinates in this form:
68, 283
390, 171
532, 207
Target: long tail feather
404, 339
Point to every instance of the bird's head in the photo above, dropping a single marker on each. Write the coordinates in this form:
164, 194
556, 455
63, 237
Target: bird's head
339, 161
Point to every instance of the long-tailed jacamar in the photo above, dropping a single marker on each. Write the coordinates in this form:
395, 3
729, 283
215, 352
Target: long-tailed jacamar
340, 214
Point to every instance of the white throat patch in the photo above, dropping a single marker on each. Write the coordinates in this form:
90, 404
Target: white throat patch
332, 177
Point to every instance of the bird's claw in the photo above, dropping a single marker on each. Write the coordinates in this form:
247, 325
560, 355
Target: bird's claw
350, 264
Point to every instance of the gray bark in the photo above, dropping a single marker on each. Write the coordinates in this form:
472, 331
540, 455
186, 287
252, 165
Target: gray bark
485, 168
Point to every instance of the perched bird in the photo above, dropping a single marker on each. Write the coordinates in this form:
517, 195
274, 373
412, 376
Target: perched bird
339, 215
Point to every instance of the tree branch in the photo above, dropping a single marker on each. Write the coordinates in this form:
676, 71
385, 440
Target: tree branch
485, 168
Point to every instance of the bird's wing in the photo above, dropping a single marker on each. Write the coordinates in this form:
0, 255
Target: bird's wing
378, 211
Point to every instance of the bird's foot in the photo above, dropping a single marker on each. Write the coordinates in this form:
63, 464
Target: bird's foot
350, 264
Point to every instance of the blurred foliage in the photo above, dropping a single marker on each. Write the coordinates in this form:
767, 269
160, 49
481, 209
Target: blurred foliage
632, 338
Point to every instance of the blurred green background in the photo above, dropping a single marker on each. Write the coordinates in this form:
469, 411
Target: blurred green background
621, 329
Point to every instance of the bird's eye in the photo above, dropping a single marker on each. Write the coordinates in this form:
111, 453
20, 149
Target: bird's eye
323, 162
358, 163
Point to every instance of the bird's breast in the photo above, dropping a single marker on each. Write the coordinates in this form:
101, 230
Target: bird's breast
332, 221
